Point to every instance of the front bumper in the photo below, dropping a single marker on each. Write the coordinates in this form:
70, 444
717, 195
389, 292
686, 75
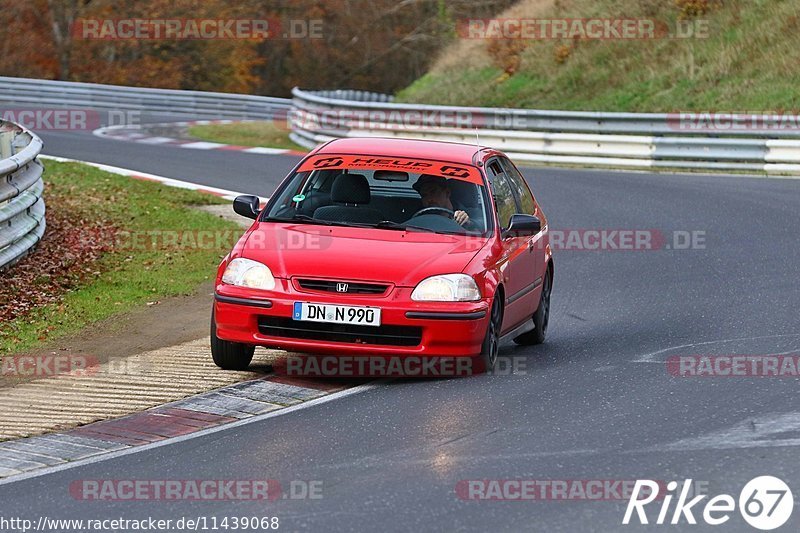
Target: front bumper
264, 318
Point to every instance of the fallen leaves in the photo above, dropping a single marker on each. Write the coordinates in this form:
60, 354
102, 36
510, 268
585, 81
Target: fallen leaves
67, 255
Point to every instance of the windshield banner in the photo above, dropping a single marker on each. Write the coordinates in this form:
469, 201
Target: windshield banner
411, 165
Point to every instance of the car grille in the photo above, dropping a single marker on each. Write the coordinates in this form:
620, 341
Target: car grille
334, 286
382, 335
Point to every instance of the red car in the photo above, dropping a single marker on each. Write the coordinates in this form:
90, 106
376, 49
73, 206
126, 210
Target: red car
388, 247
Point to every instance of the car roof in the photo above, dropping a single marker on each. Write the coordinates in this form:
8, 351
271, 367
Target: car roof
409, 148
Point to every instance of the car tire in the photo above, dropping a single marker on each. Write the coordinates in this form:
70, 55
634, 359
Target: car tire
229, 355
541, 317
491, 342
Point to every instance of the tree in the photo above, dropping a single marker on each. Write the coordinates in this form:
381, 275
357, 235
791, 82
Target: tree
61, 16
378, 45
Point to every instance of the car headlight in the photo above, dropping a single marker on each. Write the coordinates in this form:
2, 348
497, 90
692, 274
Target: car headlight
248, 273
447, 288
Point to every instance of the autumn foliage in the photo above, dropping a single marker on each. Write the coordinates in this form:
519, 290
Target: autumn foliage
373, 45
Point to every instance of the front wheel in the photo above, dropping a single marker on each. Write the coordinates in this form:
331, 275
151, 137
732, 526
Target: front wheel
540, 318
491, 342
229, 355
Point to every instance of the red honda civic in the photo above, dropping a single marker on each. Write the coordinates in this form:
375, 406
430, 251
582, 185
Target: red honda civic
388, 247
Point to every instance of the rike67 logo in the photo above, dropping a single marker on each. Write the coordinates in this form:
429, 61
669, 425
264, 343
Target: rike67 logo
765, 503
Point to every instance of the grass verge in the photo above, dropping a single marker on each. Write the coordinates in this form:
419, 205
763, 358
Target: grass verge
258, 133
159, 247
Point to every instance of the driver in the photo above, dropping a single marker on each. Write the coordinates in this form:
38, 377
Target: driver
435, 193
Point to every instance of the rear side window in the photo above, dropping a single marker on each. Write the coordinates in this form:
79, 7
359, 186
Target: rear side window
526, 203
503, 195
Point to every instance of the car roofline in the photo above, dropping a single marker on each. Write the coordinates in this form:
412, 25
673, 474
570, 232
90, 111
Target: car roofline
476, 157
453, 161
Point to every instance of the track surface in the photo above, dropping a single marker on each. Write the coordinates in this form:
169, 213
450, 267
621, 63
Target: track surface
587, 405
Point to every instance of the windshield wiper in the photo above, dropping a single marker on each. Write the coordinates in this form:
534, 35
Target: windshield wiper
302, 219
384, 224
295, 218
305, 219
388, 224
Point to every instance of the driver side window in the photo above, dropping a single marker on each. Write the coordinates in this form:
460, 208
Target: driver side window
503, 195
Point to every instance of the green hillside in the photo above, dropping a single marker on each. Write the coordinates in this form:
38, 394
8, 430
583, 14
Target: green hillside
749, 61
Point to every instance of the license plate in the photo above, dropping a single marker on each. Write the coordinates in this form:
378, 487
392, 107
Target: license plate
337, 314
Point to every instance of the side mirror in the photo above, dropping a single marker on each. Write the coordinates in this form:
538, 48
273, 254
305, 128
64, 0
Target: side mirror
247, 206
522, 226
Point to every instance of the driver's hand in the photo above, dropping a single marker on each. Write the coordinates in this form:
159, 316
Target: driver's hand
461, 217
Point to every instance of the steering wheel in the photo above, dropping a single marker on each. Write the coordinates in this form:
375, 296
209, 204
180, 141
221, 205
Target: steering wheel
438, 210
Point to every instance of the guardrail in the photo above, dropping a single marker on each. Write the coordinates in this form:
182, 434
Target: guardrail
645, 140
195, 104
633, 140
22, 221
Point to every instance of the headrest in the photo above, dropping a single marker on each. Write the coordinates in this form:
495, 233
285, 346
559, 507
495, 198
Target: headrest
427, 179
464, 193
350, 189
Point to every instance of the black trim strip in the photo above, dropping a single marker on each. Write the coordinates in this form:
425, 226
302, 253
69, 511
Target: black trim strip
384, 335
264, 304
519, 294
525, 327
271, 329
474, 315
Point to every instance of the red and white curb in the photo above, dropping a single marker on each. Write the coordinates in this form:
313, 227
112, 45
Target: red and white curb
137, 133
144, 176
232, 406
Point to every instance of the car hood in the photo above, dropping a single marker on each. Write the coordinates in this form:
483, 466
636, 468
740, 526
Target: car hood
403, 258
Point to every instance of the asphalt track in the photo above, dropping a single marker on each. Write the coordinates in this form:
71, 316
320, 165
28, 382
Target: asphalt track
596, 402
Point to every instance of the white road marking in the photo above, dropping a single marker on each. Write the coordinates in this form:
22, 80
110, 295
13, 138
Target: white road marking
128, 136
202, 145
131, 133
264, 150
155, 140
762, 432
170, 182
650, 357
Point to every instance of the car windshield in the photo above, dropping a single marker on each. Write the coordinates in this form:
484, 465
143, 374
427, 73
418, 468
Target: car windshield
386, 199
